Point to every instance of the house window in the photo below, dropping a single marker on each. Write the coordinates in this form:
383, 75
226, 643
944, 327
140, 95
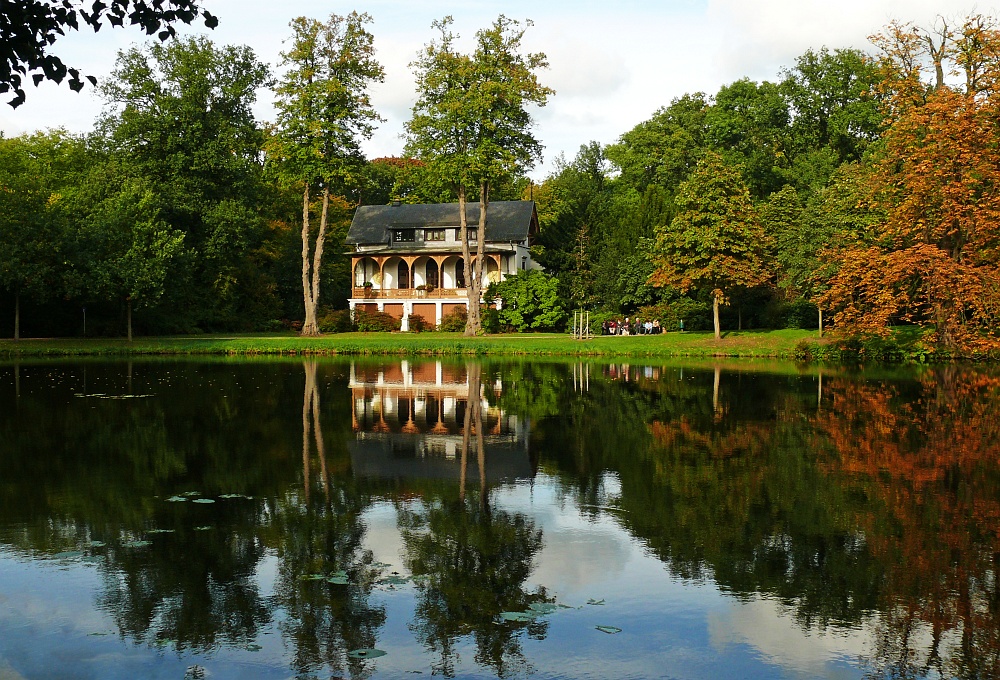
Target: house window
434, 234
460, 273
404, 235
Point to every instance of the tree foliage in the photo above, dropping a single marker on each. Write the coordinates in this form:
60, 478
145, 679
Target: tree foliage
471, 123
715, 242
31, 27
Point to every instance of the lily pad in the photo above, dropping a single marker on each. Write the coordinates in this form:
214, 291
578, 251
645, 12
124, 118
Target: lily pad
542, 607
68, 555
338, 580
202, 528
593, 601
191, 493
312, 577
228, 496
254, 648
518, 617
176, 499
137, 544
97, 544
394, 580
161, 531
365, 653
610, 630
203, 500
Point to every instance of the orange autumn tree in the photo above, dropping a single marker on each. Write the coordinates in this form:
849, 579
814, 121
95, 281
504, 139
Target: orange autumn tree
934, 259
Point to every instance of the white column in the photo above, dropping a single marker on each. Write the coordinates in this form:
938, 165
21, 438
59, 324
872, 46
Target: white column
437, 313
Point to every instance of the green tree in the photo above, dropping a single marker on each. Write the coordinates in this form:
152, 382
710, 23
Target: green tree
324, 111
136, 249
180, 117
530, 300
715, 241
748, 126
471, 124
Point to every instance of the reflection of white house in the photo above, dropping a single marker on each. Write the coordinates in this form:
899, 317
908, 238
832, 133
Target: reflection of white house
408, 420
407, 259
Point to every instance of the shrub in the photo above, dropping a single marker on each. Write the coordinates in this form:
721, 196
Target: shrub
489, 317
375, 322
531, 301
335, 321
417, 323
454, 321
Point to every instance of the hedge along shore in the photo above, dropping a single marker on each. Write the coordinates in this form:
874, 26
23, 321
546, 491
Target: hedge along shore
781, 344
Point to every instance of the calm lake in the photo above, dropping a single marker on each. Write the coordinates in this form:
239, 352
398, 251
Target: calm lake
389, 519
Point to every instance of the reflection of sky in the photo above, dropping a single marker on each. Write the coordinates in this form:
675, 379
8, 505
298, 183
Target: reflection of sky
670, 627
50, 626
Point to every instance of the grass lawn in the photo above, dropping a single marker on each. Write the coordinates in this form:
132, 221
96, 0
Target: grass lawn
760, 344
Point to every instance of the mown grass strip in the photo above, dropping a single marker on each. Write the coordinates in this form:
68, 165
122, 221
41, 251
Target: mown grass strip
746, 344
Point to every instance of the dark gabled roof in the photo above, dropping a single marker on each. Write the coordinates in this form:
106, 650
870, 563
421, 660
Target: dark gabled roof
507, 221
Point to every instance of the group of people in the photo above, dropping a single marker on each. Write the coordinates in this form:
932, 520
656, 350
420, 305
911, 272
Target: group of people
631, 327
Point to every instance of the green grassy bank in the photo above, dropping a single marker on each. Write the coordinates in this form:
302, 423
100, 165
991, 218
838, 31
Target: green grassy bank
780, 344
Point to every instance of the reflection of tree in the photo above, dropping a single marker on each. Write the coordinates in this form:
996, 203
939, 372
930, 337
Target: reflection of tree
470, 561
321, 535
930, 463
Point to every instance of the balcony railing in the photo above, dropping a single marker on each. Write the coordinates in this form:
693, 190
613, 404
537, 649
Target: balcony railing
409, 293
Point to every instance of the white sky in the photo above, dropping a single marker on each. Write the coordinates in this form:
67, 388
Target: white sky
612, 64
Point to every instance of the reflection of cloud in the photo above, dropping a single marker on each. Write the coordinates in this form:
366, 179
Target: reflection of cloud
382, 534
767, 626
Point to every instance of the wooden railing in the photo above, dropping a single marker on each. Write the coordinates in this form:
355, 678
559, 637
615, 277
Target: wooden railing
412, 293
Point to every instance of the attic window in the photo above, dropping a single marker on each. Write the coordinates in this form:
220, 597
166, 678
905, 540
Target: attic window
434, 235
403, 235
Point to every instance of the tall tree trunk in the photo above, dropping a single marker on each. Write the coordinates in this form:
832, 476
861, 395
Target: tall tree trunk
484, 204
821, 323
471, 296
715, 316
128, 316
310, 285
17, 314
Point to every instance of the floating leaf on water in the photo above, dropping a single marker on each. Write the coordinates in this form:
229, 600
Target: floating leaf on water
68, 555
312, 577
254, 648
365, 653
381, 565
338, 580
99, 634
137, 544
393, 580
202, 528
203, 500
518, 617
161, 531
610, 630
176, 499
97, 544
565, 606
593, 601
191, 493
542, 607
228, 496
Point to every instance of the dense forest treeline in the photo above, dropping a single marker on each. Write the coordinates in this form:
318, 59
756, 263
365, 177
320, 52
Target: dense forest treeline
860, 190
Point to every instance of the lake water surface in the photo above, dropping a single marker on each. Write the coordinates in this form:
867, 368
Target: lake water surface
284, 518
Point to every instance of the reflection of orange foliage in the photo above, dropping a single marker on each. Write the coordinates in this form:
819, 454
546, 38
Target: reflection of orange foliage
932, 461
744, 439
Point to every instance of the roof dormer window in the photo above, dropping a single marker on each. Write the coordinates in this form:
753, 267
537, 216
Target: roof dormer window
403, 235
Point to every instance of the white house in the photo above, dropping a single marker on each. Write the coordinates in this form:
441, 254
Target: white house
407, 259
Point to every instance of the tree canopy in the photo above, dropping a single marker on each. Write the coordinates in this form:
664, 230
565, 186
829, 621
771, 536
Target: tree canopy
31, 27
